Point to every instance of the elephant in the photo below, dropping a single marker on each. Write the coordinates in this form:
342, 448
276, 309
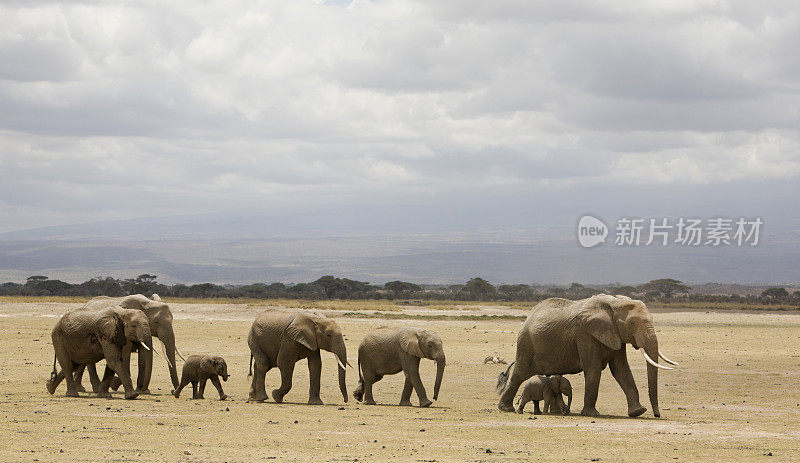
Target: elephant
279, 338
159, 317
548, 389
83, 337
387, 351
200, 368
561, 336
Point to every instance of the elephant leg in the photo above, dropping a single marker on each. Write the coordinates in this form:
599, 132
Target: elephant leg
202, 391
287, 370
405, 397
108, 375
548, 402
592, 378
411, 370
145, 370
261, 365
622, 373
183, 383
119, 361
194, 390
94, 379
67, 369
116, 382
524, 398
536, 410
370, 378
79, 377
522, 371
216, 383
314, 373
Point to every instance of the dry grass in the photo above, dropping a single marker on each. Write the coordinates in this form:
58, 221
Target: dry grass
734, 397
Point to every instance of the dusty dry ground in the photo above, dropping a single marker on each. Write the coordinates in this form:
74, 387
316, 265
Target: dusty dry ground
735, 396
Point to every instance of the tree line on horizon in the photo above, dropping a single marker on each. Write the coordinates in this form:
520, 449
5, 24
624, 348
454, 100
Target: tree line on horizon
330, 287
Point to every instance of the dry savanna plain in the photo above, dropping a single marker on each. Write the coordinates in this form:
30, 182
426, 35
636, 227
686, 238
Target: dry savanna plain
735, 395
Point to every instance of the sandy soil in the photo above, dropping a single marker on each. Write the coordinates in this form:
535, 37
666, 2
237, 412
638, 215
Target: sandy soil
735, 396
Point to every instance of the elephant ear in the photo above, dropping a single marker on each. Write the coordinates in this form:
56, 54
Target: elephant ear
597, 322
157, 298
111, 328
303, 329
135, 302
207, 365
409, 341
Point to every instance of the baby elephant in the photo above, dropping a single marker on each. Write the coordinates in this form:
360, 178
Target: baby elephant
199, 369
549, 389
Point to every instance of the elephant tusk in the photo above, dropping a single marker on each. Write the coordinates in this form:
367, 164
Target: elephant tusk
165, 354
651, 362
179, 353
666, 359
340, 363
144, 345
349, 365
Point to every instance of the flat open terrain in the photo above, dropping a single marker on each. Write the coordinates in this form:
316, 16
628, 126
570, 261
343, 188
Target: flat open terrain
734, 397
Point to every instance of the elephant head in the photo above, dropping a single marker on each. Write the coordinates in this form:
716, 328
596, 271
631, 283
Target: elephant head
215, 366
425, 344
319, 332
561, 385
619, 320
160, 318
123, 325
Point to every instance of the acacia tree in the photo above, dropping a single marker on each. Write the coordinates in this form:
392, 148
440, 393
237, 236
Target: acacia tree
664, 287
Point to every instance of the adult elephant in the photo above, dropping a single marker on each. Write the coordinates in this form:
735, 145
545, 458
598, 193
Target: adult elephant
279, 338
81, 337
387, 351
159, 317
565, 337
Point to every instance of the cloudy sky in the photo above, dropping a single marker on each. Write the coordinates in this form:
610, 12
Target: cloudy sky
501, 109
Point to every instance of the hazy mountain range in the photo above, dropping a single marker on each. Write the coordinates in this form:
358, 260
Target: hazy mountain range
225, 249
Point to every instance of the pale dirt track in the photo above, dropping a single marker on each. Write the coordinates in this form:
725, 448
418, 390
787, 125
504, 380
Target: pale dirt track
734, 397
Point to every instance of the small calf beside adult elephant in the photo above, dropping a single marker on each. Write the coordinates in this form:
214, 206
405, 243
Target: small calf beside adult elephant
387, 351
279, 338
561, 336
82, 337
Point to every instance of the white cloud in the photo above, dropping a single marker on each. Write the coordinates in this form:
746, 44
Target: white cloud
207, 109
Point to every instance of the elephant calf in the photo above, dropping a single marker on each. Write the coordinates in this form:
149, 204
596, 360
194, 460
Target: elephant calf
200, 368
387, 351
549, 389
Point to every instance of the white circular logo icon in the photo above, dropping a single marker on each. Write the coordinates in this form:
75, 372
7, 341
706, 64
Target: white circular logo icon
591, 231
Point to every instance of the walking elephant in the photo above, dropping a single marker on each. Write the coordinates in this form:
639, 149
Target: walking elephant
82, 337
387, 351
279, 338
565, 337
549, 390
159, 317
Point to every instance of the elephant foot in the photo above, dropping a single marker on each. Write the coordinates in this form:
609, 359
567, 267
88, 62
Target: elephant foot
131, 395
104, 395
372, 402
590, 411
314, 401
504, 407
519, 410
277, 396
257, 397
80, 388
425, 403
406, 403
358, 394
636, 411
223, 396
51, 386
143, 391
177, 396
72, 394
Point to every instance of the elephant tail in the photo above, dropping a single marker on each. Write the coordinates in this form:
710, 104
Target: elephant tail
502, 379
53, 374
250, 364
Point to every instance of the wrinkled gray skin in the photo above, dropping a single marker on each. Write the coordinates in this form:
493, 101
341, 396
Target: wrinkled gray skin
159, 317
200, 368
279, 338
387, 351
82, 337
549, 390
566, 337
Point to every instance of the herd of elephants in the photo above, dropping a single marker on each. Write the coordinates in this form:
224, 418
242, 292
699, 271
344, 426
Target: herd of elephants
559, 337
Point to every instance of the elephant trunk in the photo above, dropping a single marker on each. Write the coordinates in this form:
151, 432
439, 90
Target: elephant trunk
167, 336
340, 351
647, 340
440, 364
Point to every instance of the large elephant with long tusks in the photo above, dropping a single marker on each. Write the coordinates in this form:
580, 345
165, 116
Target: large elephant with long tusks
279, 338
566, 337
159, 318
